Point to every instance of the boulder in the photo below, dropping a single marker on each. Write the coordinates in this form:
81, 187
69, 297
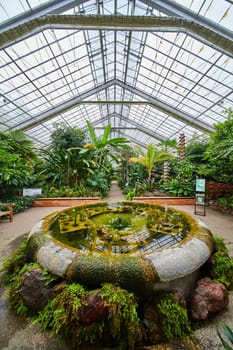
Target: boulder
208, 298
152, 325
35, 293
93, 311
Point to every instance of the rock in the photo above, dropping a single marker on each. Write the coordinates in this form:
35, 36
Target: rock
180, 299
34, 291
152, 326
208, 298
93, 311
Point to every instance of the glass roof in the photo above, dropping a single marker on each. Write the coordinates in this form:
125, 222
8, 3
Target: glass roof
153, 69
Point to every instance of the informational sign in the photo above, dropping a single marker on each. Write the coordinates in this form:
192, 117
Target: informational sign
200, 185
200, 205
32, 192
200, 198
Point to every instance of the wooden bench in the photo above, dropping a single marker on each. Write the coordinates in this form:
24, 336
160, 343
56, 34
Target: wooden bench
6, 212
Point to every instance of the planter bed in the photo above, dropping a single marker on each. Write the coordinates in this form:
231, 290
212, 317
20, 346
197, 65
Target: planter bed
166, 200
215, 205
63, 202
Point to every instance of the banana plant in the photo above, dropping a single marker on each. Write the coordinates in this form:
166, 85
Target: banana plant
103, 146
149, 160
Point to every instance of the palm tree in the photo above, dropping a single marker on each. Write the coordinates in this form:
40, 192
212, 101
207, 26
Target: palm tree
149, 160
19, 143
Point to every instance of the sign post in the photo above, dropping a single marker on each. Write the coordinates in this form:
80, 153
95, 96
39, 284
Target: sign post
200, 202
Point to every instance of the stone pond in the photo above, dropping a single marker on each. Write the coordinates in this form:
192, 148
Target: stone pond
139, 246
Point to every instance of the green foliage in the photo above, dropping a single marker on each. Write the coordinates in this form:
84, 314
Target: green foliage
229, 334
99, 182
182, 183
16, 161
60, 165
102, 142
67, 191
14, 267
219, 245
184, 188
196, 148
20, 203
121, 323
13, 281
13, 264
119, 223
61, 313
223, 269
149, 160
173, 317
130, 194
226, 202
219, 152
221, 264
65, 137
123, 320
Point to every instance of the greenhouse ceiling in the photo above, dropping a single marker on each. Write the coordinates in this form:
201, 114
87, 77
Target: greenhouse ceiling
152, 69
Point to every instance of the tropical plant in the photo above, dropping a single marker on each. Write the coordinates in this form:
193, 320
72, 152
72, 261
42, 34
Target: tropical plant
149, 160
62, 166
182, 183
229, 334
16, 162
103, 147
219, 152
18, 143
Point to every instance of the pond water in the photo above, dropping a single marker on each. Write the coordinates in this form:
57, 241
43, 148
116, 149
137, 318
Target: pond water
122, 229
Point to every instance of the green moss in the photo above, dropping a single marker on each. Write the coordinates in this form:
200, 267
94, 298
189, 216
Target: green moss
129, 272
35, 242
173, 317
